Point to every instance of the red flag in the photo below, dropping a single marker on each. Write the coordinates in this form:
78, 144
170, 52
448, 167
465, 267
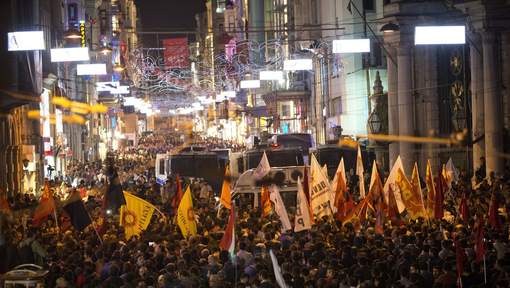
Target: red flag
227, 242
460, 257
439, 197
463, 208
493, 212
479, 238
46, 206
176, 200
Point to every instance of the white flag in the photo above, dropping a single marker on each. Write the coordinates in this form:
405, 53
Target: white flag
277, 270
263, 168
452, 174
340, 170
360, 172
279, 207
392, 179
302, 219
319, 190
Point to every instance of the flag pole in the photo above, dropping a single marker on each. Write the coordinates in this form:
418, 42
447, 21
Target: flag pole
56, 220
94, 226
484, 271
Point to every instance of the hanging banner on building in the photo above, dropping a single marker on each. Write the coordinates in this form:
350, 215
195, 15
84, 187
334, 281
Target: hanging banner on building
176, 53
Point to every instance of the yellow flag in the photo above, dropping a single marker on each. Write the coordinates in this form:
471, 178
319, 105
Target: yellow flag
136, 215
186, 216
431, 189
225, 190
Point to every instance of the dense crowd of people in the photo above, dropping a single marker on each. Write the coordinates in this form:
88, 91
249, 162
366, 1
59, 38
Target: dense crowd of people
417, 253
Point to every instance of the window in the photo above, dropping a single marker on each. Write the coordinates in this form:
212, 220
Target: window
369, 5
72, 12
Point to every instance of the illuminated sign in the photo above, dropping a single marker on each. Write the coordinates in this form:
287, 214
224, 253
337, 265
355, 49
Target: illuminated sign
91, 69
247, 84
430, 35
297, 64
70, 54
82, 34
25, 41
351, 46
271, 75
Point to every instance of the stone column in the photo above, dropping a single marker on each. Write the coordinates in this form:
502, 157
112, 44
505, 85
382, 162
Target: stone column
477, 107
392, 105
505, 60
405, 104
493, 105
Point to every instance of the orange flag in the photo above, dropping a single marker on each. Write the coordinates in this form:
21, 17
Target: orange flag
225, 198
341, 189
46, 206
266, 201
431, 190
411, 193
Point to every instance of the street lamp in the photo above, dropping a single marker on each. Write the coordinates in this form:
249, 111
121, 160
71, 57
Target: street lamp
390, 28
72, 34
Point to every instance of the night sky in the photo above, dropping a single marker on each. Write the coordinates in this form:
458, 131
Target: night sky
167, 14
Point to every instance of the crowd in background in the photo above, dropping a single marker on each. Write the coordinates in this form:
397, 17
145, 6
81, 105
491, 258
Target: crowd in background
417, 253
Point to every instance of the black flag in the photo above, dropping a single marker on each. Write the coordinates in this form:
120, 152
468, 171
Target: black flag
79, 216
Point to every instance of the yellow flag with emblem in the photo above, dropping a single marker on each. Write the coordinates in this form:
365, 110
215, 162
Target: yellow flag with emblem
186, 216
136, 215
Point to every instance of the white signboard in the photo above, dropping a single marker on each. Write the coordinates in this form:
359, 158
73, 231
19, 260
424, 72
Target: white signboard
431, 35
70, 54
250, 84
91, 69
25, 41
351, 46
297, 64
271, 75
120, 90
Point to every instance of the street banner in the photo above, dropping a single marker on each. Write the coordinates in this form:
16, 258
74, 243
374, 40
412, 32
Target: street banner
302, 218
225, 198
263, 168
227, 242
360, 170
176, 53
279, 207
186, 216
411, 193
319, 191
392, 181
136, 215
277, 270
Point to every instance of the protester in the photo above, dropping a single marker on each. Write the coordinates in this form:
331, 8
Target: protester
418, 253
